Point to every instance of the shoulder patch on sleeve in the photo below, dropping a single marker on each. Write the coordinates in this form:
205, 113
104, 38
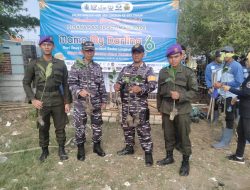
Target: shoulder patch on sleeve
151, 78
248, 84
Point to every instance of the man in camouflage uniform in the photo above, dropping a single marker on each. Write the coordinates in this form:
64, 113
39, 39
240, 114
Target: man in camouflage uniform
90, 96
134, 94
52, 97
177, 86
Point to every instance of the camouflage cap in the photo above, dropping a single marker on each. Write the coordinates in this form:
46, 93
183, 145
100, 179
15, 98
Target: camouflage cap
88, 45
48, 39
174, 49
137, 48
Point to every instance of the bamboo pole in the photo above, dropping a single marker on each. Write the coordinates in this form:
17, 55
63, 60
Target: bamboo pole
214, 77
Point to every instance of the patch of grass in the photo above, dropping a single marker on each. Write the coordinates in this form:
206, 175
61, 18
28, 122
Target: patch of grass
24, 170
32, 114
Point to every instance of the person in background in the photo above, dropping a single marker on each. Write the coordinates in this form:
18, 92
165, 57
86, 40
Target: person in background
212, 67
232, 75
184, 59
243, 61
243, 129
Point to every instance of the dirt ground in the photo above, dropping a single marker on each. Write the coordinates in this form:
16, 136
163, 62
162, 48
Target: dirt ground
209, 167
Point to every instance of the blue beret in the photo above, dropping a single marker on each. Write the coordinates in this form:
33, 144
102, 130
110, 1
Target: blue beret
88, 45
174, 49
46, 39
137, 48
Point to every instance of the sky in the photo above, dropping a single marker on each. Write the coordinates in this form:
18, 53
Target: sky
33, 10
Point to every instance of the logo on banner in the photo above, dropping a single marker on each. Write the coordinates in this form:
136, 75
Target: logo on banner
149, 44
107, 7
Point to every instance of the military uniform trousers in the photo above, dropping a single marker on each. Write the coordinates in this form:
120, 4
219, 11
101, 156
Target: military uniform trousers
80, 120
176, 133
143, 129
59, 119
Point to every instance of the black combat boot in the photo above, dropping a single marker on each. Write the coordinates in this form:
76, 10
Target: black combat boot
98, 149
184, 170
127, 150
168, 160
45, 154
62, 154
81, 152
149, 159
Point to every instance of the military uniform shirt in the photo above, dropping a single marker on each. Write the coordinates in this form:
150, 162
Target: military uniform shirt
185, 83
87, 76
52, 95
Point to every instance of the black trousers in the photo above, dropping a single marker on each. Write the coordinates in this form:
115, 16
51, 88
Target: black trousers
59, 119
230, 113
243, 131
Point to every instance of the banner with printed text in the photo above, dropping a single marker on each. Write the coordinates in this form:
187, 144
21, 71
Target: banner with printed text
114, 26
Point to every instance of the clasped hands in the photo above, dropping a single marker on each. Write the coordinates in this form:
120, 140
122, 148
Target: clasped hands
223, 86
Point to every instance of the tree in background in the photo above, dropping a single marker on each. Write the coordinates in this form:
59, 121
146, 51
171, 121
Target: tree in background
12, 19
206, 25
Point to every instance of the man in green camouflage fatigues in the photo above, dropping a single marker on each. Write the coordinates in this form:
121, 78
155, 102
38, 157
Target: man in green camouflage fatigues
52, 96
177, 85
